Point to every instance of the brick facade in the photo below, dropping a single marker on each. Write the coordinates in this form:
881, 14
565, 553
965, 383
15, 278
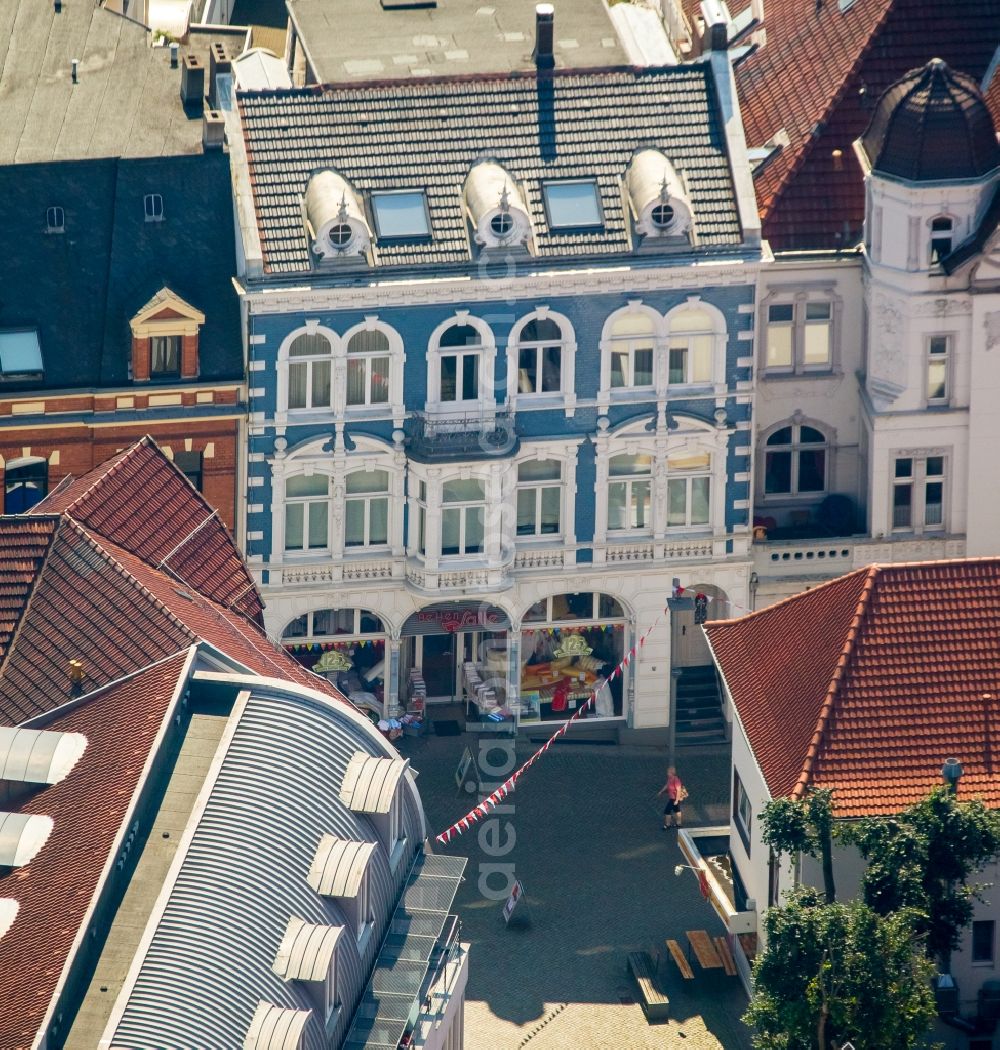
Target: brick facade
140, 358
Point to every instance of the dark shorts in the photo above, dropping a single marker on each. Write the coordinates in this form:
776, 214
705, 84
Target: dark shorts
672, 807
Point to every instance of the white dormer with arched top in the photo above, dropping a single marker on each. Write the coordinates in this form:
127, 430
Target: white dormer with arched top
661, 208
335, 220
495, 207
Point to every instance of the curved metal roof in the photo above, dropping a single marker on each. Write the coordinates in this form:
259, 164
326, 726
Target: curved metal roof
275, 1028
339, 866
34, 756
369, 784
22, 835
8, 913
306, 951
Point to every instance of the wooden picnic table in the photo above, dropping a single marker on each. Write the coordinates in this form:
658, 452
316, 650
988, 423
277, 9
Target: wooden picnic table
704, 950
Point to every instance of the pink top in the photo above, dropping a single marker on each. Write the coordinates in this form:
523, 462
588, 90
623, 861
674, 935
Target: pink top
673, 787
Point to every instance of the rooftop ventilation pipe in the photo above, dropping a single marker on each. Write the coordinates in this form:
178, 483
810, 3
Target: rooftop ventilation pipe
544, 56
174, 48
75, 64
75, 678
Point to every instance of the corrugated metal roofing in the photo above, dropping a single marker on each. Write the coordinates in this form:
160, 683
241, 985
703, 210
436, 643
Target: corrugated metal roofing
339, 866
34, 756
306, 951
427, 134
370, 783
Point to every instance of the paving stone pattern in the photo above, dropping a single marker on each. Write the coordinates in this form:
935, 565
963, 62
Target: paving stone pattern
599, 883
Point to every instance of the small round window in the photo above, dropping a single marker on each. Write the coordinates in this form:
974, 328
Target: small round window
501, 224
662, 215
340, 236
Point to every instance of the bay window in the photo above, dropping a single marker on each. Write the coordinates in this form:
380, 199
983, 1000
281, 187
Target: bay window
463, 517
629, 492
539, 498
366, 517
691, 348
309, 361
307, 512
368, 369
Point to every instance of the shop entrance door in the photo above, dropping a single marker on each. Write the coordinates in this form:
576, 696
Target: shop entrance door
439, 665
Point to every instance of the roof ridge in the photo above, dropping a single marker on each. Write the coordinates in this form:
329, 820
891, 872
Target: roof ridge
826, 708
31, 592
114, 465
799, 158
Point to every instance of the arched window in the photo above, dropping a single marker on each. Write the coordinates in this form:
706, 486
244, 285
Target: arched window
689, 486
26, 482
458, 364
691, 347
307, 512
539, 497
366, 517
309, 361
368, 361
539, 357
942, 232
795, 461
463, 516
629, 492
633, 341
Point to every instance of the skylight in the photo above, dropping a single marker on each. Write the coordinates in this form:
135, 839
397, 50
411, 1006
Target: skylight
401, 214
20, 352
572, 204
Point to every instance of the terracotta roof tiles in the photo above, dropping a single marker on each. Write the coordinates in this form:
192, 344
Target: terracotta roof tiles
868, 683
22, 553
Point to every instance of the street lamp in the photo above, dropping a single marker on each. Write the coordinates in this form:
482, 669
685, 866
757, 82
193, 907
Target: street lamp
952, 771
679, 868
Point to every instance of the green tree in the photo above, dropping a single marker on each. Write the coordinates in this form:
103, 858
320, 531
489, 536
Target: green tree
922, 860
803, 826
836, 972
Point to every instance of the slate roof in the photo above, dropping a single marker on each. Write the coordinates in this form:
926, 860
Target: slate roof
172, 526
868, 683
818, 77
88, 809
80, 288
360, 40
427, 134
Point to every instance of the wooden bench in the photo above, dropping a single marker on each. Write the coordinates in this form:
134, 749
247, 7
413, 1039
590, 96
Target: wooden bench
655, 1005
722, 947
704, 950
678, 956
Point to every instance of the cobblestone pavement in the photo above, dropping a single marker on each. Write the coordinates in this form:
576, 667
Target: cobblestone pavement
599, 882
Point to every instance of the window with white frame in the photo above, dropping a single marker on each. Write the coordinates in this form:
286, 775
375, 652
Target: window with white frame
366, 509
795, 461
630, 480
799, 336
689, 485
938, 359
918, 493
633, 344
539, 357
942, 233
309, 361
539, 497
368, 362
691, 348
421, 518
307, 512
463, 516
458, 364
742, 811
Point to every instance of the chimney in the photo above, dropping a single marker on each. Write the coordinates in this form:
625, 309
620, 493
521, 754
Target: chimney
192, 81
544, 55
716, 19
75, 678
213, 130
218, 62
75, 66
174, 48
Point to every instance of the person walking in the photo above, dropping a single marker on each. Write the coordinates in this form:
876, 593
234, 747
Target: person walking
676, 793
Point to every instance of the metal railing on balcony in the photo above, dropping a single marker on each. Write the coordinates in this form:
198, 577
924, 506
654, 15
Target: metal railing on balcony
479, 435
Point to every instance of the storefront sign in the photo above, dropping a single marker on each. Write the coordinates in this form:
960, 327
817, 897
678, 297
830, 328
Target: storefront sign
466, 765
512, 901
458, 619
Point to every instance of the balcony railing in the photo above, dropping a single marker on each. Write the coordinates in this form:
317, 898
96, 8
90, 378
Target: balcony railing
479, 435
833, 557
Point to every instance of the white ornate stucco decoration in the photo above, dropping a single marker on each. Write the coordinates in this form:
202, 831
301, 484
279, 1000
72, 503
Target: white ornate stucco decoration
991, 322
886, 360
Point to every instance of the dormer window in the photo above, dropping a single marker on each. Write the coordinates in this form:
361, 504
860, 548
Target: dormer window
165, 335
662, 216
153, 207
335, 221
308, 953
495, 207
942, 229
373, 786
660, 206
55, 220
341, 869
400, 214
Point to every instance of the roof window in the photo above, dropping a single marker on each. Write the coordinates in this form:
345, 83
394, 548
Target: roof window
20, 353
55, 220
152, 205
573, 204
401, 213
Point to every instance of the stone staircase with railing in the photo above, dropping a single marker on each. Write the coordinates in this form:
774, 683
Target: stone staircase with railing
699, 707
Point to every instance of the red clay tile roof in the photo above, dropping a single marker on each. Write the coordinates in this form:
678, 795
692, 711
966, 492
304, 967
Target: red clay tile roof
817, 77
868, 683
88, 809
172, 525
22, 552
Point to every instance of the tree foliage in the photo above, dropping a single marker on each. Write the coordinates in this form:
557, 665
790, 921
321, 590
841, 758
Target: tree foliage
831, 973
803, 826
922, 860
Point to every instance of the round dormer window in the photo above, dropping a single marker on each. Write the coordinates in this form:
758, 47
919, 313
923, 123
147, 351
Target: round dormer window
662, 216
502, 224
341, 236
